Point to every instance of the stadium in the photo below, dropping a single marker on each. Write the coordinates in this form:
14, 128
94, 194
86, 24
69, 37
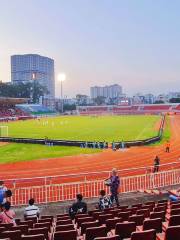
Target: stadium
72, 154
89, 120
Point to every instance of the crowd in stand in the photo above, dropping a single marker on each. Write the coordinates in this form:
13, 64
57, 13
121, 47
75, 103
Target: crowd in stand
6, 112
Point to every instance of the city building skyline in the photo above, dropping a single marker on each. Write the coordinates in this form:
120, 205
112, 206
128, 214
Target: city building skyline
33, 67
110, 91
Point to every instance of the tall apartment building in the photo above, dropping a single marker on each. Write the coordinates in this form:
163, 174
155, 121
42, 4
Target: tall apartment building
112, 91
33, 67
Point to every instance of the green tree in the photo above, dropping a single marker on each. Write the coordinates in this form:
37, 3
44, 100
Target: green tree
174, 100
32, 90
158, 102
99, 100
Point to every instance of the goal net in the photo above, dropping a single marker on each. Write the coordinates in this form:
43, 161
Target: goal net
3, 131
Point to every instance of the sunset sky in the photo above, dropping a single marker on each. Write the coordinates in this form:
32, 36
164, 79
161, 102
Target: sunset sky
135, 43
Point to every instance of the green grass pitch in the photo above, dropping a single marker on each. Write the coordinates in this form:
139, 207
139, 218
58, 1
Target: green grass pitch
106, 128
99, 128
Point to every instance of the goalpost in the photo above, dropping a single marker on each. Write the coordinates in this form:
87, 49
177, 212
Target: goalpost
4, 130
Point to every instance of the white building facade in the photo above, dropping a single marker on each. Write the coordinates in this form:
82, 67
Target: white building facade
112, 91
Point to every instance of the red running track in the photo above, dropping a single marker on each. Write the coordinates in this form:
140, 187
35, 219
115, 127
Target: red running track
106, 160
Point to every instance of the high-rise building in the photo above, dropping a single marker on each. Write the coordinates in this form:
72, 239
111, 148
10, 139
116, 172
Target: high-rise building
33, 67
112, 91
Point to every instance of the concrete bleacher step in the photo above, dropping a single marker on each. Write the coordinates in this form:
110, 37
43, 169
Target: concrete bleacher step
153, 191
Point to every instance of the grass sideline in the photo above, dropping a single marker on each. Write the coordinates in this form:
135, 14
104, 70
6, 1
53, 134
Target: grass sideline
99, 128
17, 152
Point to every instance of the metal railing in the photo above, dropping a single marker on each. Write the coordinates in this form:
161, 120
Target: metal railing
90, 188
85, 176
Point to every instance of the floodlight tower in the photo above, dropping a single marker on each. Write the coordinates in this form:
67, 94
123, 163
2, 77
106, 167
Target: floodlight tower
61, 79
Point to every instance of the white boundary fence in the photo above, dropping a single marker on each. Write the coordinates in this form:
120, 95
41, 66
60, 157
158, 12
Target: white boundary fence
67, 191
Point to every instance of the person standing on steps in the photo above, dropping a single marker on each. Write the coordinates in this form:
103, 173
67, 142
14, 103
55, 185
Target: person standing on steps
114, 186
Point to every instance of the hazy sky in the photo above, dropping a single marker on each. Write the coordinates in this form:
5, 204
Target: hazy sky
135, 43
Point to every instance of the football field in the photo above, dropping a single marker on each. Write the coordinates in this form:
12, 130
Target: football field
108, 128
87, 128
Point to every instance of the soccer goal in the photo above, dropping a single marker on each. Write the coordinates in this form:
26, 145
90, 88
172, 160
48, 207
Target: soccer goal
4, 131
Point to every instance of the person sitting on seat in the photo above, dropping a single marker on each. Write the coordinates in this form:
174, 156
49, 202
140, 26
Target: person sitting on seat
78, 207
31, 210
104, 201
7, 215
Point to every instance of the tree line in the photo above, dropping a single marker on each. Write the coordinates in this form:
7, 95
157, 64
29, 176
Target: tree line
31, 90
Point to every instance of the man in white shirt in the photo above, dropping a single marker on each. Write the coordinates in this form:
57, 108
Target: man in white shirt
31, 210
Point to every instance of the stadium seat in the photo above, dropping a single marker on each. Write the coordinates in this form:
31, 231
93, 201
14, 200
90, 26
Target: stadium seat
159, 209
84, 219
146, 212
107, 210
158, 215
33, 237
138, 219
63, 222
62, 215
37, 231
175, 211
138, 205
150, 203
43, 225
144, 235
173, 221
64, 227
22, 228
162, 204
111, 223
163, 201
95, 232
45, 220
116, 237
34, 219
65, 235
96, 215
171, 233
63, 218
175, 205
28, 222
133, 210
155, 224
114, 212
17, 220
13, 235
103, 217
86, 225
150, 207
90, 213
2, 229
123, 207
80, 216
8, 226
125, 229
124, 215
47, 217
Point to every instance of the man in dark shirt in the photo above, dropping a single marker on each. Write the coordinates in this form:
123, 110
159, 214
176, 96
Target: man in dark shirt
78, 207
114, 186
156, 164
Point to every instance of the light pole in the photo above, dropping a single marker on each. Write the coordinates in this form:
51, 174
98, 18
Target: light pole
61, 79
